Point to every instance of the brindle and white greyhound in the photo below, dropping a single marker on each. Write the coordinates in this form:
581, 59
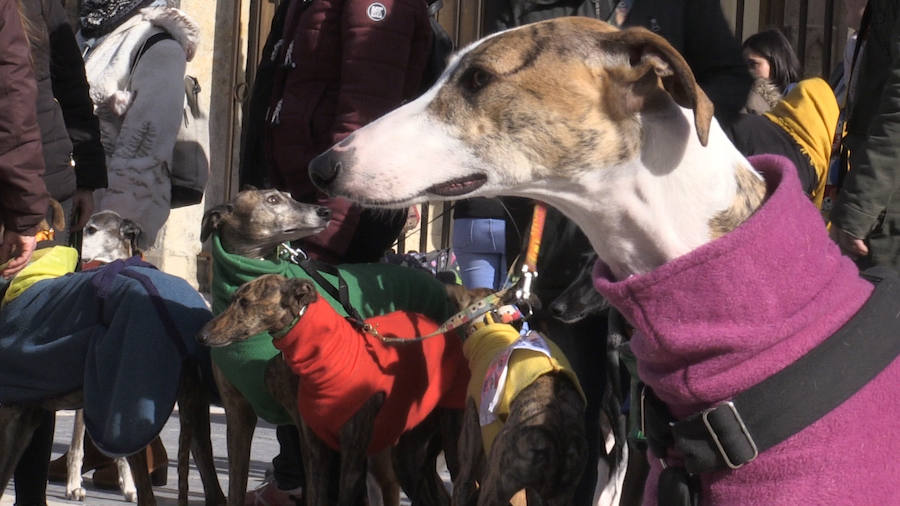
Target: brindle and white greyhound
611, 128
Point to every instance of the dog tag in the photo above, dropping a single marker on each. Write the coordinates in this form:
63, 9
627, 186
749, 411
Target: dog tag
495, 378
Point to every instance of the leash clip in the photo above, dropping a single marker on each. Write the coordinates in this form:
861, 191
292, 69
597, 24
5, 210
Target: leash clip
294, 255
523, 293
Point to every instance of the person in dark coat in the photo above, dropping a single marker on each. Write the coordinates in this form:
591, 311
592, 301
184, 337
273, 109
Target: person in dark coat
866, 217
341, 64
75, 166
70, 132
23, 195
697, 29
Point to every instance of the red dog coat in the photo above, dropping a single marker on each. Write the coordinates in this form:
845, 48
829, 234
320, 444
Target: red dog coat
340, 368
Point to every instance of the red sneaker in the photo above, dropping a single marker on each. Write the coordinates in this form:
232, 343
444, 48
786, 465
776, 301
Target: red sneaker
268, 494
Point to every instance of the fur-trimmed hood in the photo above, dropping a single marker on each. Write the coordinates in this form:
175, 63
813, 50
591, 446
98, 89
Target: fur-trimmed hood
764, 95
108, 59
179, 25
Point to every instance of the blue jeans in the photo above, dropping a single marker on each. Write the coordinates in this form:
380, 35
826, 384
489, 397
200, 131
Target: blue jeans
480, 248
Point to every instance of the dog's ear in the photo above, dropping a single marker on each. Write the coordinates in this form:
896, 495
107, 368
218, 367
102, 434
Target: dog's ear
298, 293
212, 218
248, 188
652, 58
132, 232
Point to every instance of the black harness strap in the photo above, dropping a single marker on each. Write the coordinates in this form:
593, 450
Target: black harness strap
733, 433
341, 294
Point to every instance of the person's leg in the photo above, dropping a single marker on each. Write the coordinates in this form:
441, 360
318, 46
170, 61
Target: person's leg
31, 472
480, 248
288, 466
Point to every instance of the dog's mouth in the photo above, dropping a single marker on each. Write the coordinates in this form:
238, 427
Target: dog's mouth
458, 186
303, 231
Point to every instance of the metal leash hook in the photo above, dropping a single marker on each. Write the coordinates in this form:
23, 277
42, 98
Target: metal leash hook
293, 255
523, 293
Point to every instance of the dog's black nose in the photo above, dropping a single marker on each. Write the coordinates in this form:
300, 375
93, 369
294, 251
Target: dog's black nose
559, 308
323, 212
324, 169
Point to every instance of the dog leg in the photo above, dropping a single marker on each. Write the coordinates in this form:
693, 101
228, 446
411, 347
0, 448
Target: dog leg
141, 475
415, 462
355, 436
193, 409
75, 460
471, 458
318, 464
126, 480
240, 421
381, 468
451, 422
17, 425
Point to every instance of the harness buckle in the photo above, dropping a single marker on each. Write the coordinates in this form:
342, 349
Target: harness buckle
704, 415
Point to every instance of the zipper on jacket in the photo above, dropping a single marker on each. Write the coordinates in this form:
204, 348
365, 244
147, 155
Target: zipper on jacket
289, 56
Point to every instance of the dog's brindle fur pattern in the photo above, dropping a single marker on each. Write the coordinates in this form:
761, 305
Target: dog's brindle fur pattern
256, 221
253, 224
271, 303
541, 448
749, 197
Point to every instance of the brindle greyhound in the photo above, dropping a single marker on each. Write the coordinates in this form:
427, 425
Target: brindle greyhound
541, 448
253, 224
274, 303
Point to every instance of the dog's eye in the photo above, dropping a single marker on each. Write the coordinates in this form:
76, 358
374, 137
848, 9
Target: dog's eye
244, 303
90, 229
476, 78
273, 199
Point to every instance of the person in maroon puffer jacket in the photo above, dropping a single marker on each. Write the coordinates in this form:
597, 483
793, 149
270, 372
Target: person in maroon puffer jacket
340, 64
344, 63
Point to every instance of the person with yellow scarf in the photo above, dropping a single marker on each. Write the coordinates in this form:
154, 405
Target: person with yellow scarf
799, 127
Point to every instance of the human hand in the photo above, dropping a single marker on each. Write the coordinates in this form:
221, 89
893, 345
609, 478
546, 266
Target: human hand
850, 245
18, 250
83, 208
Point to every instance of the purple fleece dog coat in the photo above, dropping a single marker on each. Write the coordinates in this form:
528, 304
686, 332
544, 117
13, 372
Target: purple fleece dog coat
722, 318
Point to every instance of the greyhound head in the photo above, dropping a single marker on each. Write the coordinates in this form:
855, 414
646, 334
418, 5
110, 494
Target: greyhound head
608, 126
514, 110
108, 237
255, 221
269, 303
579, 299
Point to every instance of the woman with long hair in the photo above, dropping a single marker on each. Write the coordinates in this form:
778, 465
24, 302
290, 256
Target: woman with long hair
769, 55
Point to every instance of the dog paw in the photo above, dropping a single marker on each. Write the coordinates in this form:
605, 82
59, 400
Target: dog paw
76, 494
130, 495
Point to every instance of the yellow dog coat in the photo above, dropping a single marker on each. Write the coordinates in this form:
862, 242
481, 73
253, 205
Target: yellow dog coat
484, 347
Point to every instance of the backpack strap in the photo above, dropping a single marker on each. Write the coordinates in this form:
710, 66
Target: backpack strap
148, 43
734, 432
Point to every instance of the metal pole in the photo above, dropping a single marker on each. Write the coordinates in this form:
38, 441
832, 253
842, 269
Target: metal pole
828, 38
801, 35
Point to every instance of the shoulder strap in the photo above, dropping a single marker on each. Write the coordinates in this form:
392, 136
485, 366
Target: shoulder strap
148, 43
